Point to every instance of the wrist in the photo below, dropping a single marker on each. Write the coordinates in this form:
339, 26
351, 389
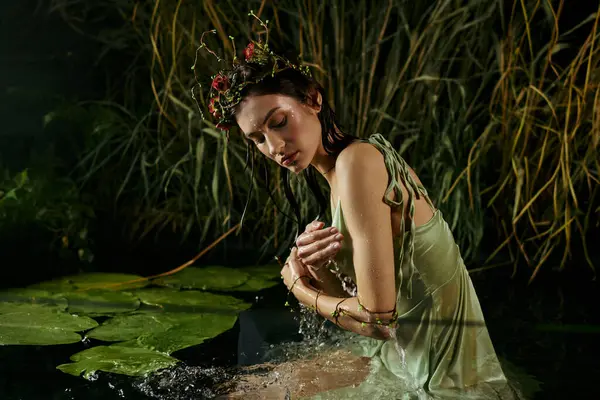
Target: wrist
298, 281
302, 290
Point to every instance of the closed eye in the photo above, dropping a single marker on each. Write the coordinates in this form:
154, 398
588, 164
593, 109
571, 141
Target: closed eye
261, 138
281, 124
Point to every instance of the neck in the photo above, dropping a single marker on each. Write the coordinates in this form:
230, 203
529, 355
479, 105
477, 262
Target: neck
324, 163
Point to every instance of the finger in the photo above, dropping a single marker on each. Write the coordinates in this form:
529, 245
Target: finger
323, 255
311, 237
307, 250
287, 260
314, 226
285, 271
296, 268
314, 275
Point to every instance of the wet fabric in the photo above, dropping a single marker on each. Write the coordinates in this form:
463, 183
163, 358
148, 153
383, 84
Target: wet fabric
441, 347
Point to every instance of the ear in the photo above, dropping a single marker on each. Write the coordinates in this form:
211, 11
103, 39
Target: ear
315, 100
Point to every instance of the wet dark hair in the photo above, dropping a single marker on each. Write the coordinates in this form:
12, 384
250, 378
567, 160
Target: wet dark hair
293, 83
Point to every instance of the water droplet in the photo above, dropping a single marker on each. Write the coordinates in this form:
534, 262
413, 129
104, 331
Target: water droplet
93, 377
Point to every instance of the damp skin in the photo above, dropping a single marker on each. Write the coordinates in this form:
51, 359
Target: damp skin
292, 127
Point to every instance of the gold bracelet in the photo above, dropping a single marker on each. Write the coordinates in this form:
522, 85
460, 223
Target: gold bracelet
287, 302
296, 280
317, 299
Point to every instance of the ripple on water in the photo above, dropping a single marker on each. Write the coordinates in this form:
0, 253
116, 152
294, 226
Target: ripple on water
198, 382
320, 362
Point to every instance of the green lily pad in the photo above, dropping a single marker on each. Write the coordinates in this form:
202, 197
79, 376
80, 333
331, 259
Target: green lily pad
194, 331
132, 361
191, 301
245, 279
254, 285
93, 280
128, 327
266, 272
205, 278
100, 302
35, 324
261, 277
33, 296
10, 307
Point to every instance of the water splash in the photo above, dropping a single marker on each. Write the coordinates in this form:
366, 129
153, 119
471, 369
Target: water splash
92, 377
120, 392
320, 361
200, 382
184, 382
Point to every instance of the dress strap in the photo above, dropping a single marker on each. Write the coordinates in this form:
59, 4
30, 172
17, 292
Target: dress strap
399, 173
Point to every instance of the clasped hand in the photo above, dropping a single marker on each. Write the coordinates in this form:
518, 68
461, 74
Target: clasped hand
315, 247
293, 269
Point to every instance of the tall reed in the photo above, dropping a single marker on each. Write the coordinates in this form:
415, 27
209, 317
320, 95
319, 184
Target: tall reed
466, 92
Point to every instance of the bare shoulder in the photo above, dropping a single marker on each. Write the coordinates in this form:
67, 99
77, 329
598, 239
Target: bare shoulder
360, 159
359, 150
361, 177
362, 182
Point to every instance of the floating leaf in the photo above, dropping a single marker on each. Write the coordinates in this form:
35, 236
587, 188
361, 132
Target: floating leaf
246, 279
128, 327
205, 278
261, 277
132, 361
192, 330
93, 280
100, 302
191, 301
33, 296
254, 285
35, 324
266, 272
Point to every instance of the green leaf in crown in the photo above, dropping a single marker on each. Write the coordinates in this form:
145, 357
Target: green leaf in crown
227, 86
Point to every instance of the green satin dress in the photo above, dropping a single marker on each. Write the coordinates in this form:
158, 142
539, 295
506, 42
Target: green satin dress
441, 348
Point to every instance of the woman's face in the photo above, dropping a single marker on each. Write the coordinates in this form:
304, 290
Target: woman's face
282, 127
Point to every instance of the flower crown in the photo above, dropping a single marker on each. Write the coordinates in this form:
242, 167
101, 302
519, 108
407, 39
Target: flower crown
226, 93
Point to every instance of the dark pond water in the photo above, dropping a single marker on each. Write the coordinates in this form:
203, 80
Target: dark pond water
550, 329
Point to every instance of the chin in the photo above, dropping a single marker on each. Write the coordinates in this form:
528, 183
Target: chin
297, 166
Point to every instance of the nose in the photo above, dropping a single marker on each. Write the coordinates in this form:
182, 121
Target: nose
275, 145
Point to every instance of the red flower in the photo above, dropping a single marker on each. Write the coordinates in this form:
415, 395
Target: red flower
220, 83
223, 127
212, 109
249, 51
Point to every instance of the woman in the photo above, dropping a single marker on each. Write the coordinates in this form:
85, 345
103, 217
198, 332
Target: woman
399, 281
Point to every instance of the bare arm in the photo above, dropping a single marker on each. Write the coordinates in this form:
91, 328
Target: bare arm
316, 246
346, 312
362, 181
330, 284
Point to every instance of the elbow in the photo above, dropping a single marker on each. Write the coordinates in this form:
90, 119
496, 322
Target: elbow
380, 327
379, 332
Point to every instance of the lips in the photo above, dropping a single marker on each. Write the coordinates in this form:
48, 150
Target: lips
289, 158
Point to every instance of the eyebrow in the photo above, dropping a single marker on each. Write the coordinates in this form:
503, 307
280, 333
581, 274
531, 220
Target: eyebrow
271, 111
